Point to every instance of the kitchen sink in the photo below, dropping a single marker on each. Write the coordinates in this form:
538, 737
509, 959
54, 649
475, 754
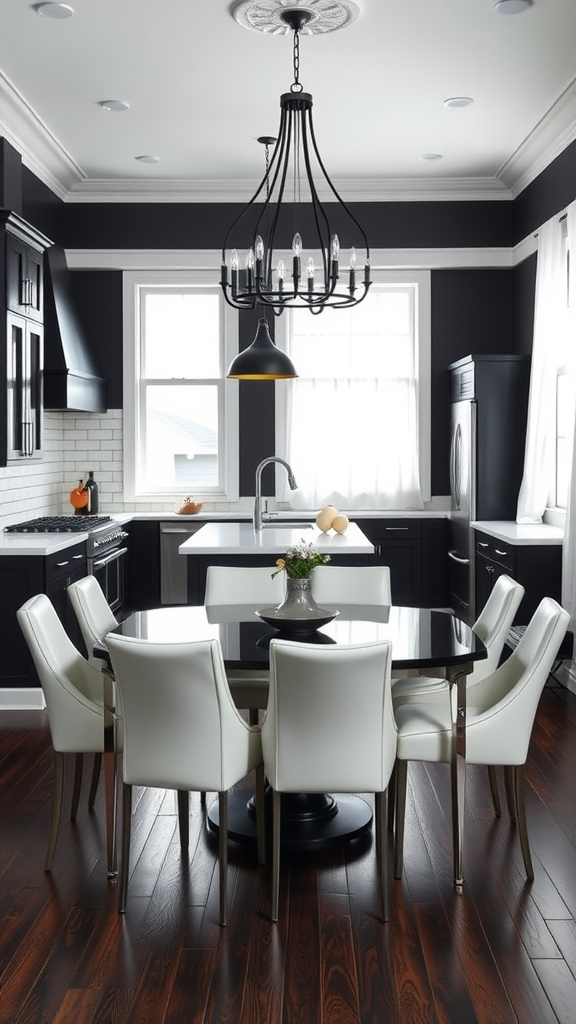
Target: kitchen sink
286, 524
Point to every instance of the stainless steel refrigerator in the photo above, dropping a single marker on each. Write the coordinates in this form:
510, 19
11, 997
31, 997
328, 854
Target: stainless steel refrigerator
488, 430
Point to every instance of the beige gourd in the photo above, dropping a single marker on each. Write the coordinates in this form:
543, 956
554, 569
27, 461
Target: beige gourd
340, 523
326, 517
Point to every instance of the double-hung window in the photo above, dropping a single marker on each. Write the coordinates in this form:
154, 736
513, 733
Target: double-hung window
354, 425
180, 411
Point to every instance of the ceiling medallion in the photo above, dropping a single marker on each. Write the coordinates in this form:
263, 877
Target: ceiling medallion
325, 15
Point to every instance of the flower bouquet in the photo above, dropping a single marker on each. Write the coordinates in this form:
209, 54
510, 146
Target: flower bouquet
299, 561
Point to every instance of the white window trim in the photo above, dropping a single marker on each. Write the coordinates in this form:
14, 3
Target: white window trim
133, 281
423, 312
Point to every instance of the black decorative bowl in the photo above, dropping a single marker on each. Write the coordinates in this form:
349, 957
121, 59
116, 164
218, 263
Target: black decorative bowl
296, 626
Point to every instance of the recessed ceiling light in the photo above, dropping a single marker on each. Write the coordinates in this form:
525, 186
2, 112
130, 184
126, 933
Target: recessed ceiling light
115, 105
56, 11
429, 157
512, 6
458, 101
147, 159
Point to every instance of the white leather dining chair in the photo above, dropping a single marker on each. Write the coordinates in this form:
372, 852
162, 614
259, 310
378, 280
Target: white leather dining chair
498, 723
73, 689
329, 727
492, 627
94, 614
250, 586
182, 731
357, 589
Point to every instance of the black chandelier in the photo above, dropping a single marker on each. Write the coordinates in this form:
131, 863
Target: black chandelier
290, 214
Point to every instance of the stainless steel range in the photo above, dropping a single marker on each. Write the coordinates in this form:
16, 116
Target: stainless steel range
105, 548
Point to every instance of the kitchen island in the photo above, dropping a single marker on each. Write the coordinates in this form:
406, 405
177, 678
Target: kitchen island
241, 544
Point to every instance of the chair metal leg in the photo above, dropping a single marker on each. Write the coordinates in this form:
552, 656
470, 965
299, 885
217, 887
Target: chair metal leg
56, 808
518, 782
381, 814
401, 783
492, 779
392, 799
110, 777
78, 765
276, 798
510, 792
223, 856
125, 855
96, 770
183, 797
260, 821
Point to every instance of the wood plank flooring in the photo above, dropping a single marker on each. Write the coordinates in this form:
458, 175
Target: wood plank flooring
502, 952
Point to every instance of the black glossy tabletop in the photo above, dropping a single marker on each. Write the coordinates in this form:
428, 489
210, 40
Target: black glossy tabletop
421, 637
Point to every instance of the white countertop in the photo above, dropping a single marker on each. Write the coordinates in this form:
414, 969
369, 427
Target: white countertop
241, 538
521, 534
38, 543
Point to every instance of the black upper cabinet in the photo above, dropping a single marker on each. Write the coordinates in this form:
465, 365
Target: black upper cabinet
24, 278
21, 339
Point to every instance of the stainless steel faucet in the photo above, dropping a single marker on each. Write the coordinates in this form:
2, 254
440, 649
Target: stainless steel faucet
259, 515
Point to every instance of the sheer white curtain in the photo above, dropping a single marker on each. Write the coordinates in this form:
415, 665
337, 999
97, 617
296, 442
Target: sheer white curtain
352, 415
569, 549
549, 310
355, 443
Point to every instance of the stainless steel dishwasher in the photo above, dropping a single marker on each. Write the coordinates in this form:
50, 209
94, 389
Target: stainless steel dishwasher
173, 566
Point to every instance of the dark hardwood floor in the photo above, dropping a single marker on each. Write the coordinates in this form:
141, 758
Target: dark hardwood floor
503, 951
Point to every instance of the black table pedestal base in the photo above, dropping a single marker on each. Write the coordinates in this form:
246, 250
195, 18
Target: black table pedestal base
310, 821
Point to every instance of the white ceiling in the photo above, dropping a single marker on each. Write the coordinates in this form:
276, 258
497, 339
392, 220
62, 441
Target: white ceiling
202, 88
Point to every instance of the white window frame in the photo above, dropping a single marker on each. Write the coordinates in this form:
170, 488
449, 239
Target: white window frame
420, 281
135, 284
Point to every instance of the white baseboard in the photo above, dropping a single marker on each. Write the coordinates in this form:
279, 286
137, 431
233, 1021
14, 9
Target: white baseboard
22, 699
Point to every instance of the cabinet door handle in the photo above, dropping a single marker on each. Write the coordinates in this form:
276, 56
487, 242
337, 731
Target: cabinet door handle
77, 556
60, 564
390, 528
483, 544
498, 552
457, 558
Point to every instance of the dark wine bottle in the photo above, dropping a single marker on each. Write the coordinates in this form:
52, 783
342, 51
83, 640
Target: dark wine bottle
92, 487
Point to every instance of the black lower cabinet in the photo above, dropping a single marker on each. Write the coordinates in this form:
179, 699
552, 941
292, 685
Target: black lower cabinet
398, 544
537, 567
435, 544
21, 577
142, 583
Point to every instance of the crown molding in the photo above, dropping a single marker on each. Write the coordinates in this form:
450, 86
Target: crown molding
40, 150
389, 190
555, 131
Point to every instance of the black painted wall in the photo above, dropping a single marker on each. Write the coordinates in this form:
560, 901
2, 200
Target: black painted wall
472, 310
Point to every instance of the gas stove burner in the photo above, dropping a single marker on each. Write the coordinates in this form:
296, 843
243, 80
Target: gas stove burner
59, 524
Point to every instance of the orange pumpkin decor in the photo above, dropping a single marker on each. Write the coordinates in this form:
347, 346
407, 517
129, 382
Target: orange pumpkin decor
79, 497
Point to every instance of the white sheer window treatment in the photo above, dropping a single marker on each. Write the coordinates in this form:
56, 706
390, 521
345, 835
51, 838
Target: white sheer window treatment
353, 412
549, 321
569, 548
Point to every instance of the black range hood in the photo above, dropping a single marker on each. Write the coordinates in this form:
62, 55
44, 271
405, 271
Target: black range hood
70, 378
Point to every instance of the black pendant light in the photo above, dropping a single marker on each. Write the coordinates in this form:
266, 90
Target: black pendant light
262, 360
286, 213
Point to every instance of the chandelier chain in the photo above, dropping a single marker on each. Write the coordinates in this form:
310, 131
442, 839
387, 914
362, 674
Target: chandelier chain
296, 84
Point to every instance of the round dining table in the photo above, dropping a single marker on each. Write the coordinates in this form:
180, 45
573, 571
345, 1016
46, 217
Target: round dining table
422, 638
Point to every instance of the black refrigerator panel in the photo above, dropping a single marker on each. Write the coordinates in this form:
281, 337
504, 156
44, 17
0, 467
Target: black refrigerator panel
489, 417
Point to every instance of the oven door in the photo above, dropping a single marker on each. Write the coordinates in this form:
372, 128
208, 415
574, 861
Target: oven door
109, 571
